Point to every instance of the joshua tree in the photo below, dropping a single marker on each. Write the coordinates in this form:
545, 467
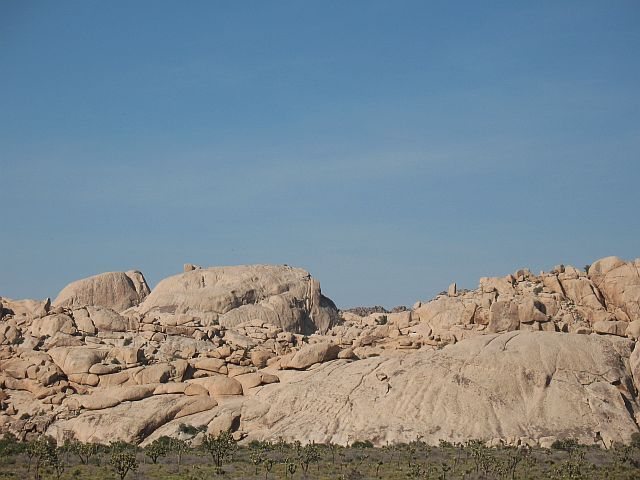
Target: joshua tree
179, 447
268, 465
43, 450
333, 448
55, 461
84, 451
415, 471
123, 459
257, 457
514, 456
219, 447
482, 457
290, 467
307, 455
571, 468
160, 447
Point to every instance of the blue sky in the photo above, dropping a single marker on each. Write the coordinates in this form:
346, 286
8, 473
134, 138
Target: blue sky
390, 148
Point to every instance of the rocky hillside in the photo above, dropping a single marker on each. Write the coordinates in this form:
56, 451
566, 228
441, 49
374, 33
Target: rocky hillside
259, 350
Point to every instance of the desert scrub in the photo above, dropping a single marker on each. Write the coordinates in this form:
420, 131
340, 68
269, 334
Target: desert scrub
178, 460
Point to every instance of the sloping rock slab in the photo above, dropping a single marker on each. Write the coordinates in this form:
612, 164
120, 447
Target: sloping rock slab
509, 386
129, 421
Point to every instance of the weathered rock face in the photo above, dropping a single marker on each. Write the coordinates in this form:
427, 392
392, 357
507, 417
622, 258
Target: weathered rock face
511, 386
279, 295
115, 290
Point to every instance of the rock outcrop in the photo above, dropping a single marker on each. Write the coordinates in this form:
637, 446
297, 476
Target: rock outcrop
518, 386
279, 295
565, 299
115, 290
259, 350
619, 283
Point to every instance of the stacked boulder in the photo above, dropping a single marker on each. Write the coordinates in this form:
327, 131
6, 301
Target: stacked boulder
604, 300
200, 339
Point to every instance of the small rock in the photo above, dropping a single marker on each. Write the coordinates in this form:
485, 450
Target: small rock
347, 354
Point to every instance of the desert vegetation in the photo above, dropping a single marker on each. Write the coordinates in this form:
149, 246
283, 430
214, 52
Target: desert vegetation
220, 456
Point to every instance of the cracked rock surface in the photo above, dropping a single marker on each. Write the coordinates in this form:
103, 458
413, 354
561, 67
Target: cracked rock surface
516, 386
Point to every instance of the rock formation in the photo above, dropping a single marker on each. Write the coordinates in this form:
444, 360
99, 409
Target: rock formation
116, 290
283, 296
259, 350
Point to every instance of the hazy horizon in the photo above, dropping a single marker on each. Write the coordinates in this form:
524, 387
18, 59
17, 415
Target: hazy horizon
390, 148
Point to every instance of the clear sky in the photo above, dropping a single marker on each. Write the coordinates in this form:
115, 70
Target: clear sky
389, 148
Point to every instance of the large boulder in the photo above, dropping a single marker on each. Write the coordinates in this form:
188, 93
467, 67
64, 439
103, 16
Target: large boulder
83, 321
582, 292
611, 328
211, 365
15, 367
24, 308
508, 386
312, 354
77, 360
634, 364
444, 312
504, 316
116, 290
619, 282
280, 295
219, 385
52, 324
108, 320
158, 373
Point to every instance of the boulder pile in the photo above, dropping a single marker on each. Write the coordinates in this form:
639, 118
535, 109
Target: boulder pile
259, 350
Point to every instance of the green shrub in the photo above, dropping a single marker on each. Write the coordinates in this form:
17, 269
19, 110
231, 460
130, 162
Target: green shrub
364, 444
9, 445
568, 445
257, 445
187, 429
382, 320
